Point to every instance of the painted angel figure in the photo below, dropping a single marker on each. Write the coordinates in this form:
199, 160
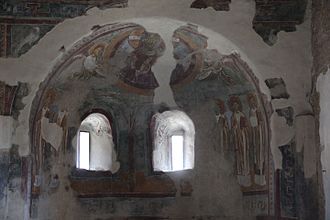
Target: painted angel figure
92, 64
222, 126
220, 66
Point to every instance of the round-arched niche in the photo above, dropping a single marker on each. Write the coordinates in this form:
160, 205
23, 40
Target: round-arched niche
128, 69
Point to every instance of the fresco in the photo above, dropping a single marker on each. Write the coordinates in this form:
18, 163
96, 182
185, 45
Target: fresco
24, 23
288, 175
203, 76
113, 71
28, 21
243, 131
7, 97
23, 37
272, 17
141, 50
195, 61
127, 56
11, 98
222, 127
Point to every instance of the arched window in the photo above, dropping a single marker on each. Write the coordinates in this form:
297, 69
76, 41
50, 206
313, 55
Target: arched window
95, 146
173, 141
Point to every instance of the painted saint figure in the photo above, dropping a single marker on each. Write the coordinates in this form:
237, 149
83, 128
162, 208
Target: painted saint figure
240, 139
195, 61
147, 48
92, 64
222, 127
257, 140
188, 45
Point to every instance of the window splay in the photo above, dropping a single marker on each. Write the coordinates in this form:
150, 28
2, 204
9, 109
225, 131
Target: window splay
173, 141
95, 146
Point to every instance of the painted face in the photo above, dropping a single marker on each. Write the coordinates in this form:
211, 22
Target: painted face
222, 109
236, 107
180, 49
221, 106
134, 39
252, 101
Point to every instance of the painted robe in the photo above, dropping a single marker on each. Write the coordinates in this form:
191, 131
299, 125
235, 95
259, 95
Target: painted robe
138, 71
257, 142
223, 129
240, 137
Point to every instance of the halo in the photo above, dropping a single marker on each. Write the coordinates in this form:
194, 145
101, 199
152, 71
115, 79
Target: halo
96, 46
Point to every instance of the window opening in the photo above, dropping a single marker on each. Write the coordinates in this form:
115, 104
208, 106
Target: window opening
95, 145
177, 152
173, 141
84, 148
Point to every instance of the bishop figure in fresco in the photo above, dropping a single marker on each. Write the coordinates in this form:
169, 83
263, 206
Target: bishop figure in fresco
257, 142
222, 127
240, 136
138, 71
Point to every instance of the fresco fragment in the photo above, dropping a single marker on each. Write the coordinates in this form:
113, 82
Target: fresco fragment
205, 77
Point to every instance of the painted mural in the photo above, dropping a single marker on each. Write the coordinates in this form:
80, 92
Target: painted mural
204, 76
288, 175
24, 23
112, 71
127, 56
11, 98
246, 135
195, 61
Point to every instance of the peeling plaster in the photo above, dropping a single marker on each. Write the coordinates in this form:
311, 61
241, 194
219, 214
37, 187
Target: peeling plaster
277, 88
21, 136
218, 5
287, 113
52, 132
272, 17
280, 138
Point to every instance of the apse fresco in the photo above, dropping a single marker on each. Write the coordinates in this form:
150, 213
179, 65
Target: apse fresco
203, 76
108, 71
113, 70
